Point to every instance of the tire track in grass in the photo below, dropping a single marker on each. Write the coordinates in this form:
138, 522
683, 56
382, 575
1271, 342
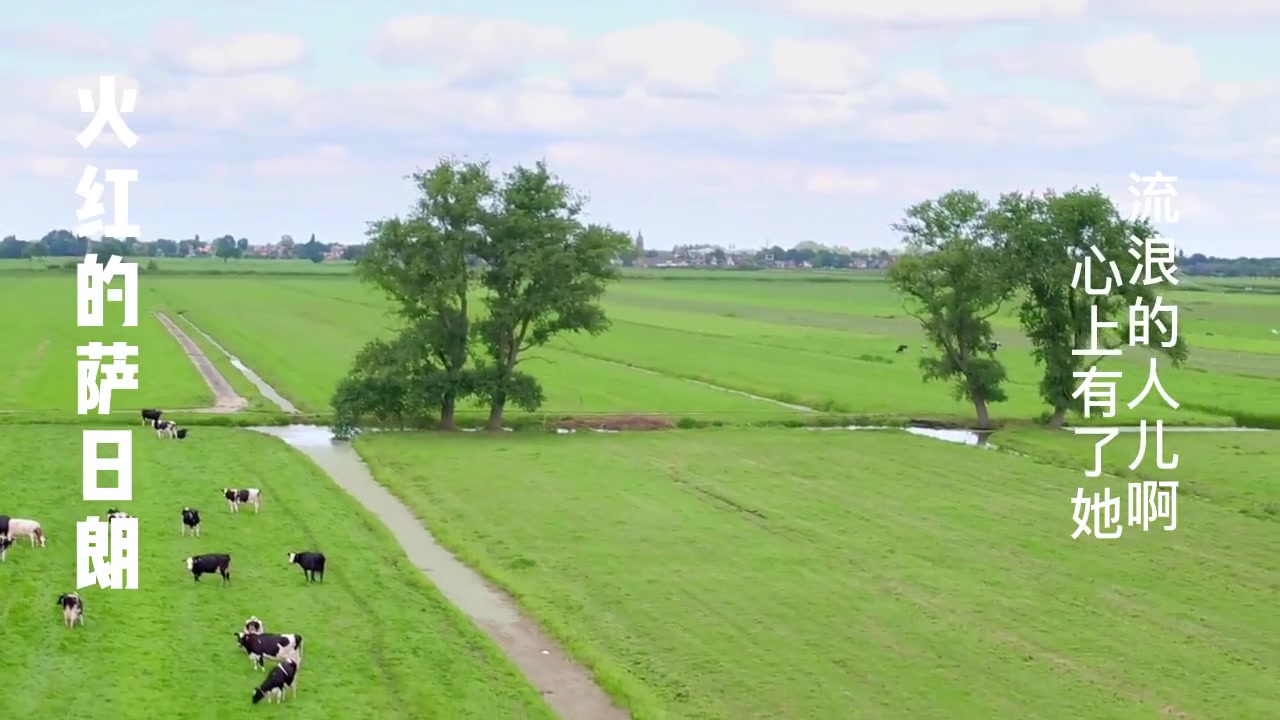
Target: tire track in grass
721, 388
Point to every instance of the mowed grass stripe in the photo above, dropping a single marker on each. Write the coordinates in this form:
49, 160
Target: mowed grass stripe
379, 640
39, 371
759, 574
304, 345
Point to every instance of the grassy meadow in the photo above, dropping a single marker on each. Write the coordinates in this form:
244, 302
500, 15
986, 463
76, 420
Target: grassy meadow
384, 641
741, 573
720, 573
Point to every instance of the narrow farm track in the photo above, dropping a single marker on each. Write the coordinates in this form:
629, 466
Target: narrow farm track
568, 688
226, 400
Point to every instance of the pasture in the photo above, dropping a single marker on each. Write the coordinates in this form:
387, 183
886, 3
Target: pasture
743, 571
379, 641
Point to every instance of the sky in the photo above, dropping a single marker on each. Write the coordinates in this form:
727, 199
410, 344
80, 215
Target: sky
734, 122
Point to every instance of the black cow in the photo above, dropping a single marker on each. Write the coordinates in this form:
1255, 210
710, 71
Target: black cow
191, 521
207, 564
151, 416
5, 542
72, 608
282, 677
901, 349
4, 524
241, 496
312, 564
181, 434
261, 646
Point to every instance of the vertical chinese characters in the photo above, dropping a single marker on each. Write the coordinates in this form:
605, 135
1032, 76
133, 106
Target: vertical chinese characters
1151, 324
106, 550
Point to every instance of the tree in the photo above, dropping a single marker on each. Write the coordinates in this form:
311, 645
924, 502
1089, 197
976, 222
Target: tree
421, 262
225, 248
35, 250
954, 282
286, 246
546, 274
1045, 237
242, 245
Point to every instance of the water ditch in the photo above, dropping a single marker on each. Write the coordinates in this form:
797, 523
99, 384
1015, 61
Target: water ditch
267, 391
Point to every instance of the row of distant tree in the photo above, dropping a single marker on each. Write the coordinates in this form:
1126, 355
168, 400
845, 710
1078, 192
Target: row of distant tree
64, 243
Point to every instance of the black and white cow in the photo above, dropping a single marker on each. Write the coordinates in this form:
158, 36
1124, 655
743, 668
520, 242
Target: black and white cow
151, 416
994, 346
5, 542
254, 626
261, 646
72, 608
22, 527
901, 349
281, 678
242, 496
191, 521
166, 429
4, 525
312, 564
114, 513
208, 564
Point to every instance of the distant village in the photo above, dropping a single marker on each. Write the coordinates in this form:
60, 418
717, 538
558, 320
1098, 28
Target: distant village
803, 255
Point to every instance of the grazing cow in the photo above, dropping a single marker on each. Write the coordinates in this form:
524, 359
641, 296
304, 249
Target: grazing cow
282, 677
30, 529
4, 525
254, 626
277, 647
207, 564
994, 346
72, 608
113, 513
166, 429
191, 521
5, 542
181, 434
901, 349
312, 564
151, 416
241, 496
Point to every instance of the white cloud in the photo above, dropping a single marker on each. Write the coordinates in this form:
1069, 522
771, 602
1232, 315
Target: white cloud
178, 46
1141, 67
324, 160
932, 12
644, 167
678, 57
819, 66
461, 47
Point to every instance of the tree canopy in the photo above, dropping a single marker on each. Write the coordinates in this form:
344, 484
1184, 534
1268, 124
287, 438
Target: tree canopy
517, 244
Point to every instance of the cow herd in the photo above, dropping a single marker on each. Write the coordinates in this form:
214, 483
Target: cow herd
285, 649
991, 346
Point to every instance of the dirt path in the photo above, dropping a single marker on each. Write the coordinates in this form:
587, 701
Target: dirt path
267, 391
567, 687
226, 400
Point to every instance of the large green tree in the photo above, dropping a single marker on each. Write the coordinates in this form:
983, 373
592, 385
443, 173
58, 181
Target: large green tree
954, 281
422, 262
1048, 239
545, 274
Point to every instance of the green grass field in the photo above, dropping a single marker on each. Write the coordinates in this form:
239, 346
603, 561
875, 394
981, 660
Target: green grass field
780, 573
379, 641
736, 572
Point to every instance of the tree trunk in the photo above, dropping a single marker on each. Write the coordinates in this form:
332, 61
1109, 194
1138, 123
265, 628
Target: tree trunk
1059, 416
980, 407
496, 407
448, 409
